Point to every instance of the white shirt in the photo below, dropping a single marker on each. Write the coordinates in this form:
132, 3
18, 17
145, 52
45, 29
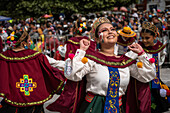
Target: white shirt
97, 75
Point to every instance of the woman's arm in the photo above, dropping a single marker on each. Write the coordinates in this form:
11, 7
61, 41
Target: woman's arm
75, 69
56, 63
146, 71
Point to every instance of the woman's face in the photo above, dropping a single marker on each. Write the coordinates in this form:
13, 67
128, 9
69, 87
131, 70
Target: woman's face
148, 39
109, 34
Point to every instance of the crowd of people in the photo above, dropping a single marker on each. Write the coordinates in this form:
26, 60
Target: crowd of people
62, 26
102, 63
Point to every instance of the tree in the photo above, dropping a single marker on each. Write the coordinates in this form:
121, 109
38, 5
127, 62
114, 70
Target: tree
36, 8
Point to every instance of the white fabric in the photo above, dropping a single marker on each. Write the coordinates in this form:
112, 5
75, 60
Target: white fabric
56, 63
97, 75
1, 98
135, 15
62, 50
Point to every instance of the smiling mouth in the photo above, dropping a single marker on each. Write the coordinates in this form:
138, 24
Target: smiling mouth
111, 37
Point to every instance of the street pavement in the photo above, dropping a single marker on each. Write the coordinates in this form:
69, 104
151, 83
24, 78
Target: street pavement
165, 76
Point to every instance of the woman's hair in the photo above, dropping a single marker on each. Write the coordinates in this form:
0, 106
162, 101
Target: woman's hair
97, 30
148, 31
18, 36
79, 27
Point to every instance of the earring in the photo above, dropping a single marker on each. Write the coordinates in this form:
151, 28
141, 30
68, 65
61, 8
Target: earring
97, 46
102, 40
155, 41
25, 46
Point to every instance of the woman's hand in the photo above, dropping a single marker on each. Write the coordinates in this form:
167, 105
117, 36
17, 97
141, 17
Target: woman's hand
136, 48
84, 44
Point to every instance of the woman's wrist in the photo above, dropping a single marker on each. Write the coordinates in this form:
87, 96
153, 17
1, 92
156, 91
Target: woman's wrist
84, 49
141, 53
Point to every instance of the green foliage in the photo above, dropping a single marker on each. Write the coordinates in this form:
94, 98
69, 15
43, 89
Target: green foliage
36, 8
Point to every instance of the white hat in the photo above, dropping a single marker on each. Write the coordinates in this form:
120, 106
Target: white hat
90, 20
38, 25
65, 25
135, 15
83, 19
134, 9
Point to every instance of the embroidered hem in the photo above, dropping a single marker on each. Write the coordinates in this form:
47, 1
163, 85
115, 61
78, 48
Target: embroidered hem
31, 103
17, 58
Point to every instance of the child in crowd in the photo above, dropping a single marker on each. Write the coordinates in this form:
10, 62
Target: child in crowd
126, 38
149, 97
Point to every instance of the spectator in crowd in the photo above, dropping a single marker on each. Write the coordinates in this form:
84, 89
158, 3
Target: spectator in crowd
3, 34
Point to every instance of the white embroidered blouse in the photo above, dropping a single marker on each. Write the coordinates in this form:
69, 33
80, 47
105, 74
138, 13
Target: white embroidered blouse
97, 75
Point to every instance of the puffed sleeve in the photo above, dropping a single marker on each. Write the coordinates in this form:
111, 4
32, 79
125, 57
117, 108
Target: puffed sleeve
162, 56
62, 50
77, 68
146, 73
56, 63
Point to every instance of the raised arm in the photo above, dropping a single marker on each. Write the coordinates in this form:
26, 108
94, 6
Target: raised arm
75, 69
145, 70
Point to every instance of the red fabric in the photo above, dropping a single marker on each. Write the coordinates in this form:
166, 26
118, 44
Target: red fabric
155, 47
74, 92
109, 59
70, 99
138, 93
1, 47
128, 42
138, 97
71, 48
168, 92
36, 67
57, 56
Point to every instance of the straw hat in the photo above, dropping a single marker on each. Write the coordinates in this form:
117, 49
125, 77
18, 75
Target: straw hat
127, 32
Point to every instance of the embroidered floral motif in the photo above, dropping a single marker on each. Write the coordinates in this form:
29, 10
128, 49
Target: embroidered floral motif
112, 97
26, 85
156, 79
